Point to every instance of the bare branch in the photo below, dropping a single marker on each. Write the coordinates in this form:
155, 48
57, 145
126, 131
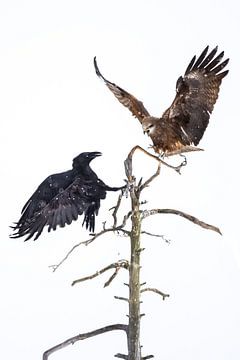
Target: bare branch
138, 251
128, 171
115, 210
185, 149
121, 356
121, 298
147, 357
117, 266
119, 228
147, 182
84, 336
157, 235
191, 218
156, 291
112, 277
123, 233
176, 168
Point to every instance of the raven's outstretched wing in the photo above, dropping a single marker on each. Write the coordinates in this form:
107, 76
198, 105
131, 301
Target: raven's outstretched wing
81, 197
134, 105
196, 95
45, 192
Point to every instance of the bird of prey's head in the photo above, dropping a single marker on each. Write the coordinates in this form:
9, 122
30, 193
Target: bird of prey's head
85, 158
149, 125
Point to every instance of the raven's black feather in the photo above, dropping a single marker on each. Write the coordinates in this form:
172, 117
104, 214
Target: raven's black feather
60, 198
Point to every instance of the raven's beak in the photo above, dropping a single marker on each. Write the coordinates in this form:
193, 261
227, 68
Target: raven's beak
95, 154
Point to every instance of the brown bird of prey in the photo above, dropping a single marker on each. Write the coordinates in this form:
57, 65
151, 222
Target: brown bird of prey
184, 122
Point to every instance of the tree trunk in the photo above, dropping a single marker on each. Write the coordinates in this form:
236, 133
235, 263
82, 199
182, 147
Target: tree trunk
134, 349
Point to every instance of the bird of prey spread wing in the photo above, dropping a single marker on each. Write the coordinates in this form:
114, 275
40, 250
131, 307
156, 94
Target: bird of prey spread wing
185, 121
60, 198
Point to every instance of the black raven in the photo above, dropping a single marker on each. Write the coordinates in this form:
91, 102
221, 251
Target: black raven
60, 198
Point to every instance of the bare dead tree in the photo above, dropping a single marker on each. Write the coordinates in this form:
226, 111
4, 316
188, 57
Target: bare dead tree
135, 216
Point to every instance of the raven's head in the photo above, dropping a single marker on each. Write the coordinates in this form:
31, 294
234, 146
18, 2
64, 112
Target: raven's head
85, 158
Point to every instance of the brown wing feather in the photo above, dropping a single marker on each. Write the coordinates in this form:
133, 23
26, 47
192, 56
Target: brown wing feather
134, 105
196, 95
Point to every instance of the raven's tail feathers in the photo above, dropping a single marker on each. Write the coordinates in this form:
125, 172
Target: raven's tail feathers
89, 217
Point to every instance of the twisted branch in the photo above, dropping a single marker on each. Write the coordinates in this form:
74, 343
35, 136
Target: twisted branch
155, 291
121, 298
124, 264
119, 228
115, 210
176, 168
84, 336
147, 182
191, 218
157, 235
121, 356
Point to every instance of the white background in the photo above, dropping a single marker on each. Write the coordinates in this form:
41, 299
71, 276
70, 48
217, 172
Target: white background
53, 107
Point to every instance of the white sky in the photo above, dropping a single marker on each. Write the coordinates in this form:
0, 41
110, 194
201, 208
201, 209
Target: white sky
53, 107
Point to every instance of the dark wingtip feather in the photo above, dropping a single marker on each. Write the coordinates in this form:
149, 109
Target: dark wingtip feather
97, 69
18, 232
214, 62
14, 236
189, 68
208, 62
223, 74
214, 50
96, 66
205, 50
209, 57
200, 58
220, 66
30, 236
107, 82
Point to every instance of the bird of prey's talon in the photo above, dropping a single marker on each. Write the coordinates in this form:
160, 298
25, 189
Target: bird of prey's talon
150, 146
161, 155
187, 118
184, 163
